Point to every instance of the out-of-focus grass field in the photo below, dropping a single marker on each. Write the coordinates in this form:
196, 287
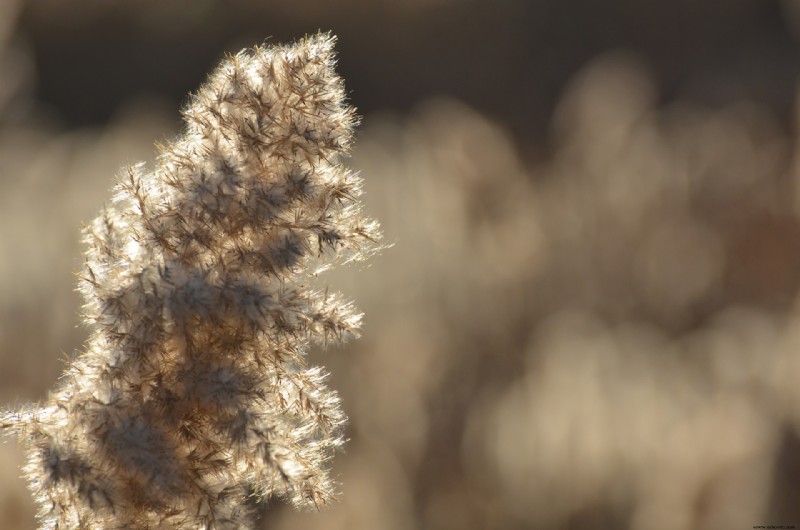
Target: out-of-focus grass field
588, 319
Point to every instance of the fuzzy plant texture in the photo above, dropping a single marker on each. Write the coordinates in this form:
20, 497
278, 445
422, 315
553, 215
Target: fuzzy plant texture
192, 403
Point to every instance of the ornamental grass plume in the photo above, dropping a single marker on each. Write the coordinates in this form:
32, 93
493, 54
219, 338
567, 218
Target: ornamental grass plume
192, 401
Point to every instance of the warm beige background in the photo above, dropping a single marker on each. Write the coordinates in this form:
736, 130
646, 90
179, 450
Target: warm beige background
588, 319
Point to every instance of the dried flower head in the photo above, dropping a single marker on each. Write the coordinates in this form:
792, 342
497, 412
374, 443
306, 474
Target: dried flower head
192, 397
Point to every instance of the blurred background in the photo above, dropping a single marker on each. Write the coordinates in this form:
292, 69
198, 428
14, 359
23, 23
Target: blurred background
589, 318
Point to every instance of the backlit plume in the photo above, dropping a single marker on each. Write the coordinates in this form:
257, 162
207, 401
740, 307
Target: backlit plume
192, 402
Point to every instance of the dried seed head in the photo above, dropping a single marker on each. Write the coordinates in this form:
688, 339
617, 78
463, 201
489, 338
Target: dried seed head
193, 394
